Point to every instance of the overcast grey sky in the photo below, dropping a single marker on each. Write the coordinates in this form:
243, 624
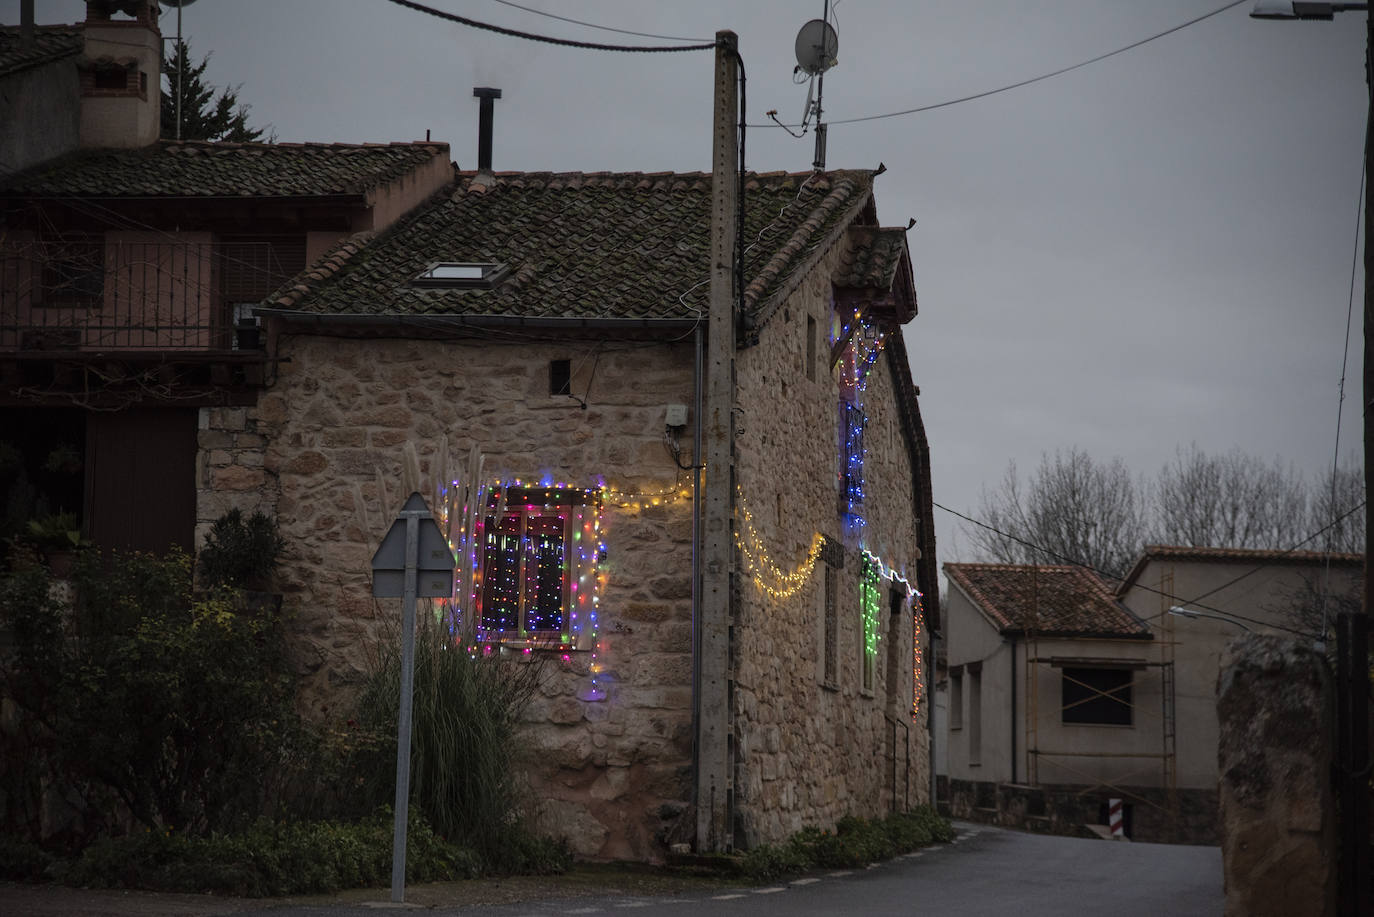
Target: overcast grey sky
1146, 252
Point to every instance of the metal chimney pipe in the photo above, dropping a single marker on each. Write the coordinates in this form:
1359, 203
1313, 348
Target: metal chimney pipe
26, 36
486, 106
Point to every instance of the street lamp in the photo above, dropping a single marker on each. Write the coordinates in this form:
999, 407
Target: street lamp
1352, 630
1294, 9
1179, 611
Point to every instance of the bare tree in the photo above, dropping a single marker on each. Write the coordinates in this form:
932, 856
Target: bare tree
1231, 500
1337, 511
1073, 510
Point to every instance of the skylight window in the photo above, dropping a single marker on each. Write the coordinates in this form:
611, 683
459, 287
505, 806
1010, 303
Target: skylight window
461, 274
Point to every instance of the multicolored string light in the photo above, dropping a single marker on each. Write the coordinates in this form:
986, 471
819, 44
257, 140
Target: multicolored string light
917, 654
870, 604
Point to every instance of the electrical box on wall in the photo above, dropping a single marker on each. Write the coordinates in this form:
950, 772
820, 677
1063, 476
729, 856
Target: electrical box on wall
676, 415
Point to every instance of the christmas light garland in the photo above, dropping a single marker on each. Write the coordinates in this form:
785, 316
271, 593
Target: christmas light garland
766, 573
870, 603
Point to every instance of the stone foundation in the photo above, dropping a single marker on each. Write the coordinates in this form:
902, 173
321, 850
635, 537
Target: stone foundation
1066, 809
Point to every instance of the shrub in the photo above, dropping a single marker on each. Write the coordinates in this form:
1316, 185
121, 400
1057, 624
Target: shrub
21, 861
464, 719
239, 552
854, 842
272, 859
142, 697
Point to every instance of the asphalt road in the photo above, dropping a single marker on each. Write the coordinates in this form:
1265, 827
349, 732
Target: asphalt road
986, 872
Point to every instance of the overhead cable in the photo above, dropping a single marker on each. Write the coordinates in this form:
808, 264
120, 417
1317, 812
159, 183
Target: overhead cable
548, 39
593, 25
1035, 79
1169, 595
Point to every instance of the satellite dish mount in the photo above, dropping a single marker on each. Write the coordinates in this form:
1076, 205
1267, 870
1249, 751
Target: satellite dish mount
817, 47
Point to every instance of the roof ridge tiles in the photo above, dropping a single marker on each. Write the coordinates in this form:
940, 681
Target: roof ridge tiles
326, 266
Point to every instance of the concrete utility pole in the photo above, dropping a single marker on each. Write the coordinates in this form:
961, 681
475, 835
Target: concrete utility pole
714, 776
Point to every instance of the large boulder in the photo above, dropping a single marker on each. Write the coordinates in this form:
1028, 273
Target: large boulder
1277, 812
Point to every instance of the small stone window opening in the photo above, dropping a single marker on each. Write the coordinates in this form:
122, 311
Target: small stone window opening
458, 275
560, 377
1097, 697
830, 646
870, 603
956, 699
975, 717
811, 348
533, 552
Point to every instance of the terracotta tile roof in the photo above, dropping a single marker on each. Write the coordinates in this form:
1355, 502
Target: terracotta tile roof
51, 43
1247, 556
627, 245
873, 258
1055, 600
222, 169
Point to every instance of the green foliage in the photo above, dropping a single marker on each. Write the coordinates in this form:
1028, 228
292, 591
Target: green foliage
21, 861
141, 697
855, 842
239, 552
465, 715
204, 115
61, 531
270, 858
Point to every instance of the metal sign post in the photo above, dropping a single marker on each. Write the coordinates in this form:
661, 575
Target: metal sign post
414, 561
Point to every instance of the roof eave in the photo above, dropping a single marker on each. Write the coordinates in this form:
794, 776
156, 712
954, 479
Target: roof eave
435, 322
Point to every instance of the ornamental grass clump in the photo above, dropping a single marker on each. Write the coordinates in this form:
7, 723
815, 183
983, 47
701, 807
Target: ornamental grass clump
464, 752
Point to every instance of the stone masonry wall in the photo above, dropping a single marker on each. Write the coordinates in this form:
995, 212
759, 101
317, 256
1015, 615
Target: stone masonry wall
807, 753
1278, 818
611, 775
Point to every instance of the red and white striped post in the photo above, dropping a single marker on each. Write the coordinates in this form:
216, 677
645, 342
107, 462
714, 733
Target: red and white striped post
1114, 814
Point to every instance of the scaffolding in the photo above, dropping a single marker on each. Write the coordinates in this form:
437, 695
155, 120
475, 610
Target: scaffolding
1160, 665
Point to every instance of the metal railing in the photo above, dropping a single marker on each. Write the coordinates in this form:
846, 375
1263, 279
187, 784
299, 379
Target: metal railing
116, 296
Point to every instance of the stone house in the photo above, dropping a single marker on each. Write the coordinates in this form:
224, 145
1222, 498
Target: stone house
128, 266
525, 349
314, 330
1218, 594
1062, 692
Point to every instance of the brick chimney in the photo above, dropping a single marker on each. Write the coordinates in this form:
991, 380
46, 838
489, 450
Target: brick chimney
121, 74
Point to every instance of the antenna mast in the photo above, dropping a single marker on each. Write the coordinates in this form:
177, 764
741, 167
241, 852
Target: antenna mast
819, 162
816, 46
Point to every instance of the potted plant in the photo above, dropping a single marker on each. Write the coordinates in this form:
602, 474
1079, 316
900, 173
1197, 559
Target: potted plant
58, 537
241, 553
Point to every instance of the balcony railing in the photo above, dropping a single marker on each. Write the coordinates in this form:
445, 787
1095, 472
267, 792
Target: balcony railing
119, 295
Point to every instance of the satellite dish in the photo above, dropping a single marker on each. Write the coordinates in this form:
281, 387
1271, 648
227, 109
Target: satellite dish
817, 45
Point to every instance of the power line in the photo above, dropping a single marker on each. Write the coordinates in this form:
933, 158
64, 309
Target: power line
1195, 601
548, 39
593, 25
1345, 358
1035, 79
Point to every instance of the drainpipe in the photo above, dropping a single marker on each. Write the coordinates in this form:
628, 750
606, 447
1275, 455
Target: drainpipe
931, 738
697, 408
1013, 708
